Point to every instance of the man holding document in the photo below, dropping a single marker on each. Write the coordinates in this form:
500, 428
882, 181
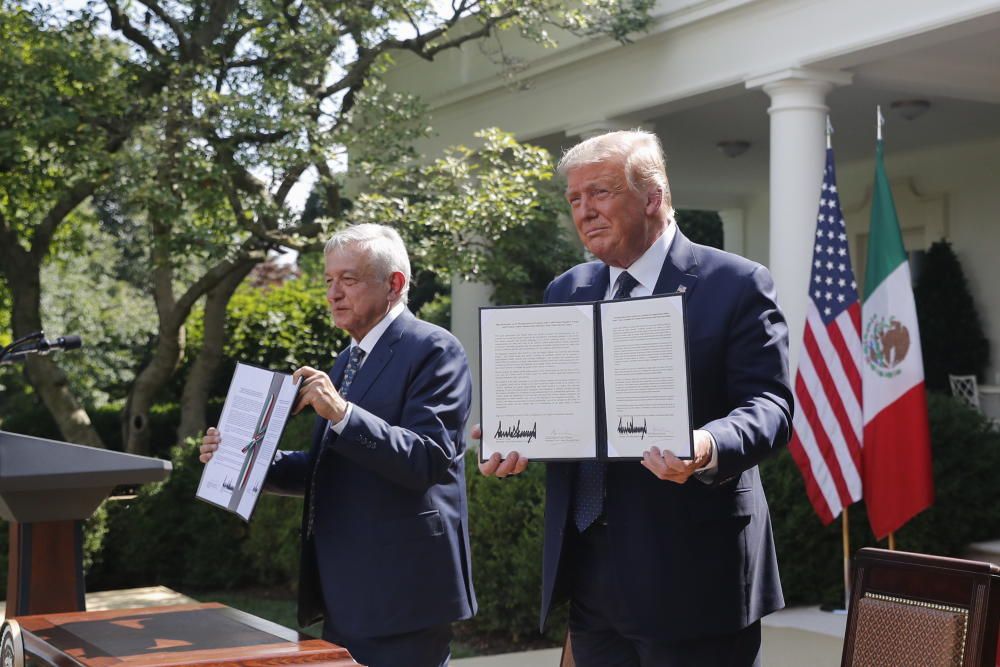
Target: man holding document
666, 561
385, 541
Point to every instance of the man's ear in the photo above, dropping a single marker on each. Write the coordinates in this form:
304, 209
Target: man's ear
397, 281
654, 199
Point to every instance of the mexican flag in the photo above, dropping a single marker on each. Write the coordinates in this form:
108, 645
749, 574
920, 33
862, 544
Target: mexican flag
896, 452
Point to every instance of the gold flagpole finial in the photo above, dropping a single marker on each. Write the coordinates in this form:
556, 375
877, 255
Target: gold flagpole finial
879, 122
829, 133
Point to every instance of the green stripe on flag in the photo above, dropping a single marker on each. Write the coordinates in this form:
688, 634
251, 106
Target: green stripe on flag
885, 242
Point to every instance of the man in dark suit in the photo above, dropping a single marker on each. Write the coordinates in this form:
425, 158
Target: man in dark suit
385, 552
670, 562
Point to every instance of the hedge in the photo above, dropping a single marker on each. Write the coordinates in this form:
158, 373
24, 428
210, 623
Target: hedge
164, 536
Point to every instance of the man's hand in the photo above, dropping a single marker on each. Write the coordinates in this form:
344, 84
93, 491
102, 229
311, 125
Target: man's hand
209, 444
495, 466
316, 389
666, 465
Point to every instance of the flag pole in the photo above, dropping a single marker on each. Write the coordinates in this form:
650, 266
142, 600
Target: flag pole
846, 538
879, 124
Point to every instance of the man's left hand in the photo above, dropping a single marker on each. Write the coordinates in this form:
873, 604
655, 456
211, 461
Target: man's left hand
318, 391
666, 465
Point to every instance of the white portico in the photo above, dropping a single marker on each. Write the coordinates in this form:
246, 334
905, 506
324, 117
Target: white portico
762, 75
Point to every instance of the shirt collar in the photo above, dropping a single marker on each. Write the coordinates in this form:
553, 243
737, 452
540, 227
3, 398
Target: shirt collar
372, 337
646, 269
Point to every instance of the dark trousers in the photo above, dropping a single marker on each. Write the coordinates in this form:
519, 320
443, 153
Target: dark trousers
424, 648
602, 624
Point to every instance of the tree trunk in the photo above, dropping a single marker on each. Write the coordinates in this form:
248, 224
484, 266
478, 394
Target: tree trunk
45, 376
197, 385
136, 425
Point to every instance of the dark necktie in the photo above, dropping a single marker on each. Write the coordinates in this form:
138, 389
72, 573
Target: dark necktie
353, 364
588, 500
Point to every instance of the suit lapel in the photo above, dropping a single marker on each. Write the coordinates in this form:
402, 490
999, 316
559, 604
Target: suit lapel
379, 357
679, 272
596, 289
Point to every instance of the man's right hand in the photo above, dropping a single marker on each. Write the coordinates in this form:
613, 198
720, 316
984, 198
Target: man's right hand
495, 466
209, 444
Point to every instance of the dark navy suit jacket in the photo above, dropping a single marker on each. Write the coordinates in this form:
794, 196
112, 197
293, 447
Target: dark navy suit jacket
694, 559
389, 552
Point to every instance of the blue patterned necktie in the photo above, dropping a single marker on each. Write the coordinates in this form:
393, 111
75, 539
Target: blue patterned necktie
353, 364
588, 501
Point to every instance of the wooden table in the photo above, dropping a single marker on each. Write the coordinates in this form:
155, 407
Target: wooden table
192, 634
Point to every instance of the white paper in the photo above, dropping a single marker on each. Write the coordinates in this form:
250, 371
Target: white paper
645, 376
538, 381
253, 417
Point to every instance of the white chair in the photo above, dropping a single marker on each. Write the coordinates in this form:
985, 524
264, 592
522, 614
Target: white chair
965, 388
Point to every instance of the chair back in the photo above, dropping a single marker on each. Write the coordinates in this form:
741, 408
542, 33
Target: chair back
966, 388
916, 609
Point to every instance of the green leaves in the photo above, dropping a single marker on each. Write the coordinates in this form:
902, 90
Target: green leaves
452, 210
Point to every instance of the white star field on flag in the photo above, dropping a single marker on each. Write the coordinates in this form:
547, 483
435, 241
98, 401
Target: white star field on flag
839, 287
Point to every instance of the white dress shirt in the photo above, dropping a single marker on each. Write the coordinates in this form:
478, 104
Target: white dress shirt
368, 344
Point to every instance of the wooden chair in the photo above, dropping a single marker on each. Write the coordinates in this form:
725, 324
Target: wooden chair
915, 609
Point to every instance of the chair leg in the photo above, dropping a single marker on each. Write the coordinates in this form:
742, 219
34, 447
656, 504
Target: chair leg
567, 654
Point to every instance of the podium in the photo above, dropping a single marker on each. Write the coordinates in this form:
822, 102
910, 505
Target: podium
191, 634
47, 489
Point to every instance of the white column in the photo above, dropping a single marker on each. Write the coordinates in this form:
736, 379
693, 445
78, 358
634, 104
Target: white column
466, 298
798, 143
733, 230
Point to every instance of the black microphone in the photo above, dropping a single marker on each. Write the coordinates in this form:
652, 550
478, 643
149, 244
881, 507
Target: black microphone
19, 351
66, 343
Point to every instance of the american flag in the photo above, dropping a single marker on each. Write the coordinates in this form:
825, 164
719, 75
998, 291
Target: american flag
828, 423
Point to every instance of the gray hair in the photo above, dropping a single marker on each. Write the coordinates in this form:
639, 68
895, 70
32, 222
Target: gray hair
383, 245
638, 151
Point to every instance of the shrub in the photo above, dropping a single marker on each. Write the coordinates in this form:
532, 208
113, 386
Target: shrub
198, 546
951, 334
506, 528
965, 453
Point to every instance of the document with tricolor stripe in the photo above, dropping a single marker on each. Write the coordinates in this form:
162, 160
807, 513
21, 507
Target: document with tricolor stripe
254, 415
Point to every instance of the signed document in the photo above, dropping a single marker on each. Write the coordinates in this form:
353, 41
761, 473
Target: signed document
538, 381
585, 380
646, 399
254, 415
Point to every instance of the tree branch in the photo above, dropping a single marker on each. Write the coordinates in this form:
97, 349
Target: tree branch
212, 27
121, 22
288, 182
172, 23
73, 197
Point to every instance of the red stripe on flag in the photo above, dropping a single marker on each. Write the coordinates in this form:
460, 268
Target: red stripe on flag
898, 477
848, 358
813, 491
836, 404
808, 408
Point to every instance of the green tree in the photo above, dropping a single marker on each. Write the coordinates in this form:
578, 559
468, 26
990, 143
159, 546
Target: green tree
951, 334
206, 116
67, 104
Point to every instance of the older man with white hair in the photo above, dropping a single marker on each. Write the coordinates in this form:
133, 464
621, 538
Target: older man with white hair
385, 539
668, 562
